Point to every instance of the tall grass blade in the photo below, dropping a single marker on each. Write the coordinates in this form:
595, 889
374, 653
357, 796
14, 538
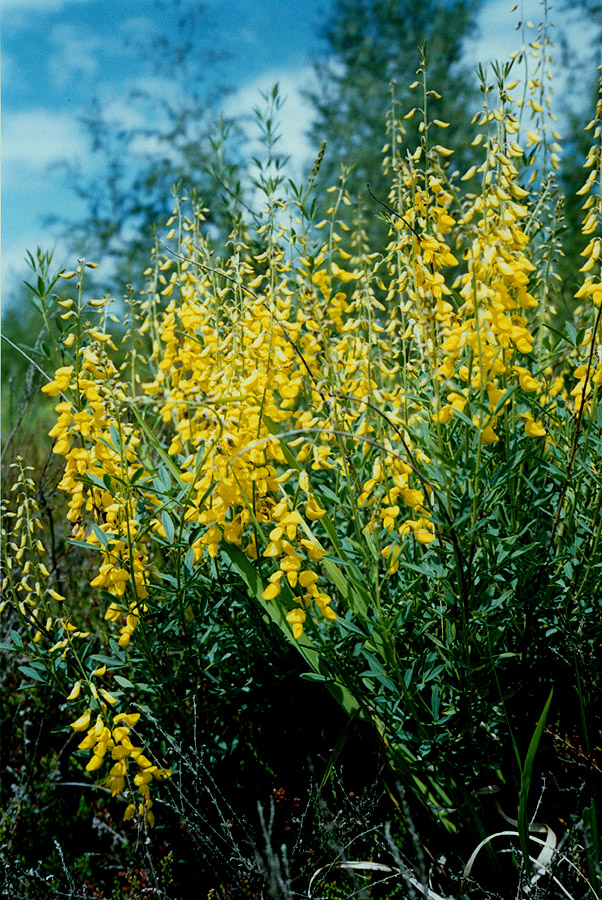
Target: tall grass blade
525, 784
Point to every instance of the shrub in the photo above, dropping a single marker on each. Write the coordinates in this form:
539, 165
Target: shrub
385, 459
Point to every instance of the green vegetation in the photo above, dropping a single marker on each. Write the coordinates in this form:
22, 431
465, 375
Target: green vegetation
370, 59
302, 593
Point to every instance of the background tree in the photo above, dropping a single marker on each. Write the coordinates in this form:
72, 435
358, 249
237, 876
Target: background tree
371, 43
368, 44
176, 138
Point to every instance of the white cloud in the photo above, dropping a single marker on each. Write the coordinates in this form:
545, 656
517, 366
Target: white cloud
75, 54
138, 27
27, 14
38, 137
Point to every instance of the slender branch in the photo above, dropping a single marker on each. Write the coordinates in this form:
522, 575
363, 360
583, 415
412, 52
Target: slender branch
571, 461
394, 213
28, 358
235, 196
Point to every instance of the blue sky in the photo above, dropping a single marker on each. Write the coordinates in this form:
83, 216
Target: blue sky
57, 55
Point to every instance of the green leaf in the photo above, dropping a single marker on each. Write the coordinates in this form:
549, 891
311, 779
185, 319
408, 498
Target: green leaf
525, 783
90, 479
346, 625
119, 652
167, 460
102, 537
593, 846
571, 332
34, 291
115, 437
16, 638
106, 660
374, 663
435, 703
168, 527
32, 673
84, 545
189, 559
137, 475
38, 664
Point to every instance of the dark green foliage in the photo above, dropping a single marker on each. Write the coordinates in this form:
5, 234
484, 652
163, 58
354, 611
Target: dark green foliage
370, 45
444, 668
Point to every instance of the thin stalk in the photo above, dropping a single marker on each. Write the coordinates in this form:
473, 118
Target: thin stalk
571, 461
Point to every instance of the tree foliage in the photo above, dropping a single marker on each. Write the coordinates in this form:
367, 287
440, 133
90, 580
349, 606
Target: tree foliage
170, 138
371, 44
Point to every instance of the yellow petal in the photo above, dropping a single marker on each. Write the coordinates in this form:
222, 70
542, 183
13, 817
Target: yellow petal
82, 723
75, 691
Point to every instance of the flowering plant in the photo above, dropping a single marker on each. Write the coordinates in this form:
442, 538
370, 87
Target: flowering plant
392, 451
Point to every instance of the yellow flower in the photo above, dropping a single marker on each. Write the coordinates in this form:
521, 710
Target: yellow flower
130, 719
75, 691
313, 511
82, 723
533, 428
88, 742
130, 812
272, 590
61, 381
412, 498
488, 435
296, 617
527, 382
341, 274
423, 531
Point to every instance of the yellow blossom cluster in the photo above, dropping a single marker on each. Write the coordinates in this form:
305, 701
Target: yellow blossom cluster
281, 393
475, 345
115, 742
100, 454
100, 451
223, 381
35, 604
589, 373
27, 579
